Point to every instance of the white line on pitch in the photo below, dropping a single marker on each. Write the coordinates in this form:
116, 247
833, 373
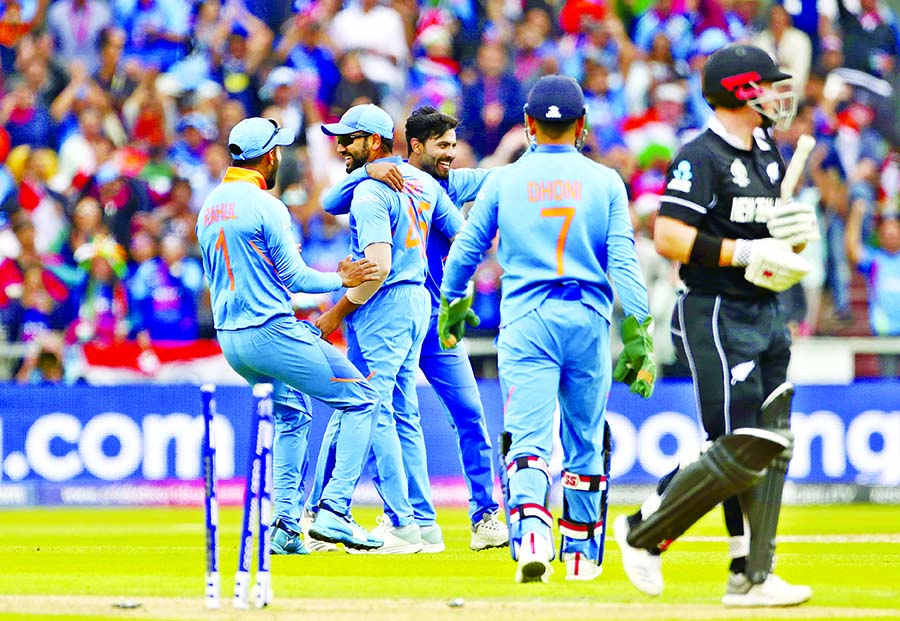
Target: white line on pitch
884, 538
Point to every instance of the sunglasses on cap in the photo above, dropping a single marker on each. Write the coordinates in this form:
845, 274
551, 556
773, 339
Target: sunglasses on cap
236, 150
347, 139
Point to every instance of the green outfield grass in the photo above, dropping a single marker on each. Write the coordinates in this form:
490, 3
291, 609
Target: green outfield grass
59, 562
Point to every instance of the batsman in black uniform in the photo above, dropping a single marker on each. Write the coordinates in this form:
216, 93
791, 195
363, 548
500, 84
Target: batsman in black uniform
722, 217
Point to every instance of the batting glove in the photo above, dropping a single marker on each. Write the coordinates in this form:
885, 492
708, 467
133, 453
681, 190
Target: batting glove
636, 365
452, 319
770, 263
795, 223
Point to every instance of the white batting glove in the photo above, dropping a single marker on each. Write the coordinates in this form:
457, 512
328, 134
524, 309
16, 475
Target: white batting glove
795, 223
770, 263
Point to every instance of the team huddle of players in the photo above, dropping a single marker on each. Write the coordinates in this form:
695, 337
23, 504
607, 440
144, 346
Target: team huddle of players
565, 239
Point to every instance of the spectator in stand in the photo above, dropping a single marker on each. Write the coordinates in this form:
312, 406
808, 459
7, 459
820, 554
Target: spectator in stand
434, 80
354, 88
45, 364
287, 92
76, 26
14, 25
696, 106
101, 299
534, 49
604, 98
37, 62
230, 114
492, 104
880, 263
165, 294
117, 79
806, 17
176, 216
26, 120
86, 225
157, 31
247, 46
870, 37
186, 153
376, 32
664, 17
13, 271
81, 93
78, 154
121, 198
790, 47
32, 168
304, 46
216, 159
659, 66
596, 36
743, 19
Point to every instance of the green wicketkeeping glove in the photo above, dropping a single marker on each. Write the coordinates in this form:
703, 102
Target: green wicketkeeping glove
636, 365
452, 319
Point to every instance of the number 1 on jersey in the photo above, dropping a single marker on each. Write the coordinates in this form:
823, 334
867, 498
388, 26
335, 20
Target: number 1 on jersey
221, 245
566, 213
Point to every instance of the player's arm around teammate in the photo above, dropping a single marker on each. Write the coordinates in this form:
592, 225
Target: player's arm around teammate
252, 263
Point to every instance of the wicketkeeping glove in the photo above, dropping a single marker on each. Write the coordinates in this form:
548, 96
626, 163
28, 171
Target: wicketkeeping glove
636, 365
794, 223
452, 319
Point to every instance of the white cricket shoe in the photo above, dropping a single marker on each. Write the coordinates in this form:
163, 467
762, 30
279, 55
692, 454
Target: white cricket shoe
306, 520
535, 555
490, 532
397, 539
432, 538
642, 568
580, 567
741, 593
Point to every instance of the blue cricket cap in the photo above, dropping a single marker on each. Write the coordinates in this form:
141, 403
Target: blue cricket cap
367, 118
555, 99
257, 136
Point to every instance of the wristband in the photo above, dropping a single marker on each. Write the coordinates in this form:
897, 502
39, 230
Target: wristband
742, 252
706, 250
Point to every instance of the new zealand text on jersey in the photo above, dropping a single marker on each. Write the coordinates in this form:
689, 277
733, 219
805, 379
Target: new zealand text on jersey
753, 208
219, 213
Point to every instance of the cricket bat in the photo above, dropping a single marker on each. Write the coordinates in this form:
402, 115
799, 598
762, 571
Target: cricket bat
805, 145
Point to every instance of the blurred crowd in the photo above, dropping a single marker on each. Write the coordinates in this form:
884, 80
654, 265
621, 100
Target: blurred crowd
114, 118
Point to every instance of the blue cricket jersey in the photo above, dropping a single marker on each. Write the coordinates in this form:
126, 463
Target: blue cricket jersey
562, 218
250, 254
461, 186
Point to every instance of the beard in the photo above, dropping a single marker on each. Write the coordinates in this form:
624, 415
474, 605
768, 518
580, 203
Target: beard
271, 178
272, 175
438, 172
357, 161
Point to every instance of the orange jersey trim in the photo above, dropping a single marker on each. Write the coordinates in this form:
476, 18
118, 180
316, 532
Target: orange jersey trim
233, 173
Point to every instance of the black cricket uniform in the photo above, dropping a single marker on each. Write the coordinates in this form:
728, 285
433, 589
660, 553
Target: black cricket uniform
731, 333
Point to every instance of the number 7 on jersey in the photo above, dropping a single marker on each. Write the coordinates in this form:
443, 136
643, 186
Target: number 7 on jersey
566, 213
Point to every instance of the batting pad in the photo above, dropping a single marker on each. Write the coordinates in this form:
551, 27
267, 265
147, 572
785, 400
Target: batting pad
732, 464
762, 502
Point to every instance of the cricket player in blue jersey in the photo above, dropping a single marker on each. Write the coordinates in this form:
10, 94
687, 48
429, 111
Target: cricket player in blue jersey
564, 235
252, 262
387, 321
431, 143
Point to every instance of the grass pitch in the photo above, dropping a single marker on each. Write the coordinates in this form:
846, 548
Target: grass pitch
83, 563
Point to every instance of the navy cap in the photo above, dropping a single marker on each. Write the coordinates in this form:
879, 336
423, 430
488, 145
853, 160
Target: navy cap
257, 136
367, 118
555, 99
